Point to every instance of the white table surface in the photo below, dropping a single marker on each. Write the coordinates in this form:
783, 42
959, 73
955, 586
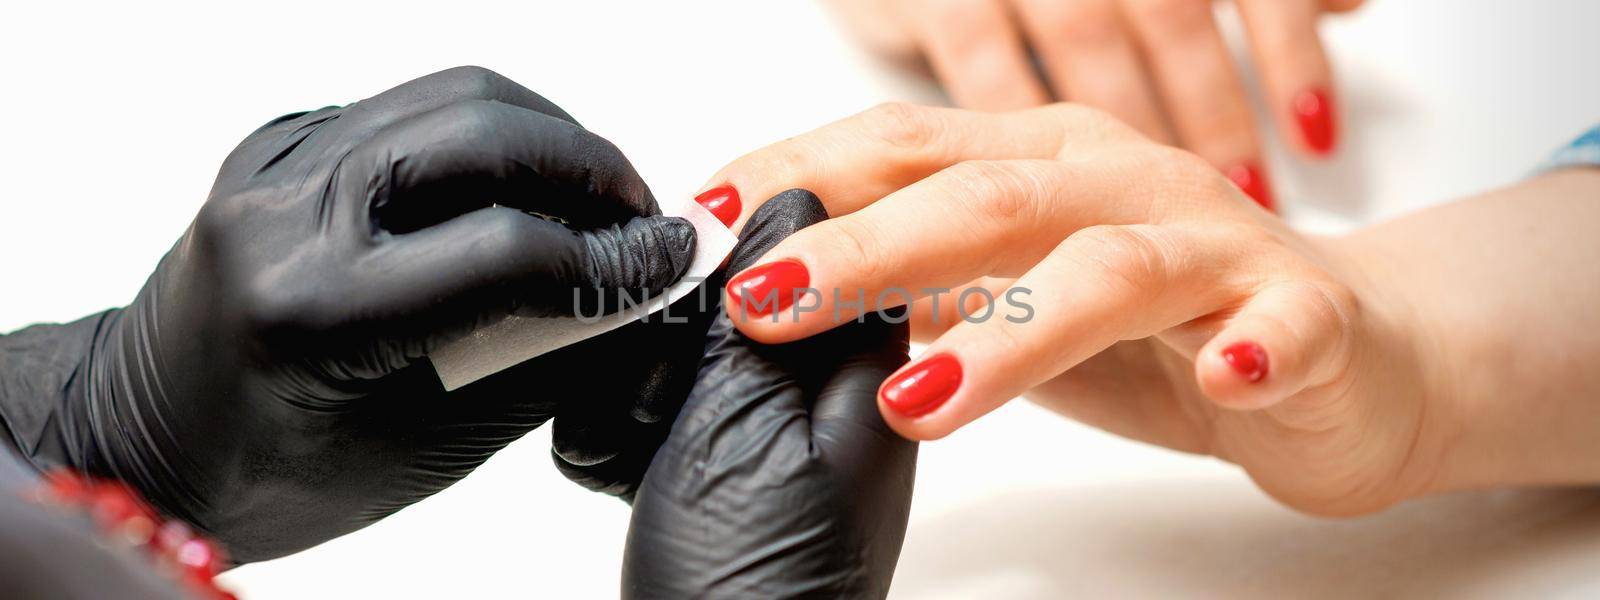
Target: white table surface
118, 115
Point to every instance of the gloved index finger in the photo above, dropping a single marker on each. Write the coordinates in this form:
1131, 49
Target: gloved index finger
470, 155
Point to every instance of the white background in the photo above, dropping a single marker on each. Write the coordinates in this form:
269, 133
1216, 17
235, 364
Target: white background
116, 117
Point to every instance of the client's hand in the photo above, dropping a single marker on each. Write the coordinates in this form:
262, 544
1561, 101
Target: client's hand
1119, 281
1160, 65
779, 479
270, 382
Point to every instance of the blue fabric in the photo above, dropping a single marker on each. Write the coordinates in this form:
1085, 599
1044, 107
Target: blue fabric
1582, 152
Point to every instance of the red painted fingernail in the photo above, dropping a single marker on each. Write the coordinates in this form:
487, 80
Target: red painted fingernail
1248, 359
722, 201
923, 387
1313, 108
1250, 178
765, 289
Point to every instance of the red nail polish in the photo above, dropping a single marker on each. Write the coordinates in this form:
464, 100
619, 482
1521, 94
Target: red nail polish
1313, 108
764, 289
1248, 359
1250, 178
924, 387
722, 201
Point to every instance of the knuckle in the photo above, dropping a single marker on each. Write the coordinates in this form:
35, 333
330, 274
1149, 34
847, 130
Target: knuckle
1129, 261
1170, 168
472, 81
860, 244
216, 219
472, 119
791, 161
1008, 340
590, 148
505, 236
1320, 319
990, 190
1336, 305
268, 299
268, 308
1074, 115
275, 307
1178, 163
1267, 246
1085, 122
901, 125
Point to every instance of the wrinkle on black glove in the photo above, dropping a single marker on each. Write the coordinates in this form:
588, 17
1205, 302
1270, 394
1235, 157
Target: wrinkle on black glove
779, 479
270, 385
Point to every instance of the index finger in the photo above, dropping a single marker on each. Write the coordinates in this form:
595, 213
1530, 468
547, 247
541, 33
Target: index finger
856, 161
980, 218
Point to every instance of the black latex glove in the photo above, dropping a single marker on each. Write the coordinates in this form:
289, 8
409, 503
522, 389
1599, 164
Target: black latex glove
269, 383
605, 445
779, 479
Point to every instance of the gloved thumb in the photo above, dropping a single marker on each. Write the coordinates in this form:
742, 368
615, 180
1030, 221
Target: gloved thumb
442, 282
626, 264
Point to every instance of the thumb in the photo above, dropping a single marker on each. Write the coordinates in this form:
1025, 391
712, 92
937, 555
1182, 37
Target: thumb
629, 262
1290, 337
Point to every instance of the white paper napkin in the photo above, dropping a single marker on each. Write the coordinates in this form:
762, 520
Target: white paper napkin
500, 346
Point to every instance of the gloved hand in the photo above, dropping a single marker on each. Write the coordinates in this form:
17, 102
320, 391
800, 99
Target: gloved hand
779, 479
270, 384
606, 445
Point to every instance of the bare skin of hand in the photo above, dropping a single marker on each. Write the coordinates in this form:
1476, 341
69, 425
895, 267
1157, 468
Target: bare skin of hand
1159, 65
1440, 351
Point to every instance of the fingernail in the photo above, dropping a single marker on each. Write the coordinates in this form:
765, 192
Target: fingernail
722, 201
923, 387
1313, 108
764, 289
1248, 359
1250, 178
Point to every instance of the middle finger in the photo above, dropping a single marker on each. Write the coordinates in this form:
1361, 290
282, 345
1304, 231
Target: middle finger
1200, 87
1091, 58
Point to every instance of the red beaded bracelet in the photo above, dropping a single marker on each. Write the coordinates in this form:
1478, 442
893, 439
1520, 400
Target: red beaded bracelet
123, 515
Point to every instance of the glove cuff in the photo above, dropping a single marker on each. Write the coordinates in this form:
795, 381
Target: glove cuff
43, 369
